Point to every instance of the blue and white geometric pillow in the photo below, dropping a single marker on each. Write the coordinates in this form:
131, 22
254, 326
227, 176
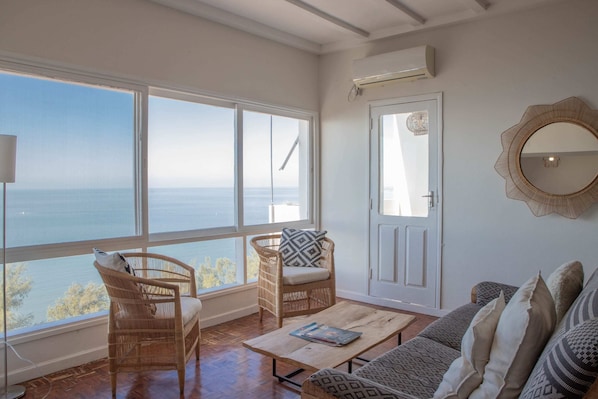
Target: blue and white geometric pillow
301, 248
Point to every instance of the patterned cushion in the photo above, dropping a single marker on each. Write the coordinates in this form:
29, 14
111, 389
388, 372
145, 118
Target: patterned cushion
348, 386
114, 261
565, 284
414, 368
523, 329
301, 247
570, 367
466, 373
585, 308
488, 290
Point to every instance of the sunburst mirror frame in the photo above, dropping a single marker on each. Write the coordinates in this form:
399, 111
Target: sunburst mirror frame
508, 165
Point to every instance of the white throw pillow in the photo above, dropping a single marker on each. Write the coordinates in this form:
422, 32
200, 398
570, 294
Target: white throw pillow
466, 373
565, 284
114, 261
523, 329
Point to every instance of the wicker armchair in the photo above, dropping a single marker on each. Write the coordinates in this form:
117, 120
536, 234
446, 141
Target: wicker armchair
291, 299
154, 316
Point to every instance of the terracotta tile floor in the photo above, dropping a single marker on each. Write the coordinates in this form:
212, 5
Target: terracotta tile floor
226, 370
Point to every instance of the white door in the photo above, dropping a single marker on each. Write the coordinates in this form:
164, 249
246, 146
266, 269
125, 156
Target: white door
404, 206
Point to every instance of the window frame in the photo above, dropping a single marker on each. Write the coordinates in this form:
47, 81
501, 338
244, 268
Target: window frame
143, 240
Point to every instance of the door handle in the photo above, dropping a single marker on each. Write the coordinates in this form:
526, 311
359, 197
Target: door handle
430, 197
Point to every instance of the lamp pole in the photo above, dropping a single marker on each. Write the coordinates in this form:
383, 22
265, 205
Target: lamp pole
8, 157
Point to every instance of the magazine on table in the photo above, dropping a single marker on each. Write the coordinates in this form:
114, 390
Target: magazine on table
324, 334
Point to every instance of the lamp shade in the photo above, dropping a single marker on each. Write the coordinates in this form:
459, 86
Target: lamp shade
8, 158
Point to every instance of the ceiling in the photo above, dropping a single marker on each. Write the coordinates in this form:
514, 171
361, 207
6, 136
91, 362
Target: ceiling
323, 26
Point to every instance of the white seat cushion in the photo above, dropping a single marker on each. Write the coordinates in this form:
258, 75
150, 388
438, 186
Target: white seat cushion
189, 307
293, 275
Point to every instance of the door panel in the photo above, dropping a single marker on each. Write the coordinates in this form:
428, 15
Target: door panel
405, 213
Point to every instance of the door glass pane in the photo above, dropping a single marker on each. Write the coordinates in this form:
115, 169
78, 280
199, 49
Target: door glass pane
275, 168
191, 165
404, 164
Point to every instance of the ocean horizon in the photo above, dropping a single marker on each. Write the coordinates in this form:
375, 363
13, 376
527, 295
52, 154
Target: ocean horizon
37, 217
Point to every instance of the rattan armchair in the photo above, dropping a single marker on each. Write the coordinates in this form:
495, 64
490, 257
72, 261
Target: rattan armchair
288, 300
154, 316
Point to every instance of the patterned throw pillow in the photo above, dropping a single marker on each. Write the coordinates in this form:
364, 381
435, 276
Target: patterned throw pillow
570, 367
114, 261
301, 248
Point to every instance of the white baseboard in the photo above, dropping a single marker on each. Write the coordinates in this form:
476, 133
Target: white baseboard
391, 303
32, 371
228, 316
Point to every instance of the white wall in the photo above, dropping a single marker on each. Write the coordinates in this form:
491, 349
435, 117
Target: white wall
146, 42
489, 72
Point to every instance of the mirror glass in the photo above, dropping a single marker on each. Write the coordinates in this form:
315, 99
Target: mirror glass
560, 158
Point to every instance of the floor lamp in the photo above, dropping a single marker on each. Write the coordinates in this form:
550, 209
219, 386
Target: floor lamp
8, 157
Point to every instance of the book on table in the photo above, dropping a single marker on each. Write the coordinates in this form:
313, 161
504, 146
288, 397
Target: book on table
324, 334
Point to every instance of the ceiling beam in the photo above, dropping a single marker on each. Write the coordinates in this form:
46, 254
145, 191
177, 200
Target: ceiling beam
418, 19
479, 5
329, 17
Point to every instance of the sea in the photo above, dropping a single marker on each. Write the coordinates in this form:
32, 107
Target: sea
38, 217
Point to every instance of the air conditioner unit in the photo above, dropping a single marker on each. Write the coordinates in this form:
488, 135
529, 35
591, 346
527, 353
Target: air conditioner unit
397, 66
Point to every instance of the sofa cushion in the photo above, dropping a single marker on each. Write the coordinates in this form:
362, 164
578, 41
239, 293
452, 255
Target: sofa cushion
301, 247
570, 366
466, 372
565, 284
414, 368
449, 329
488, 290
523, 329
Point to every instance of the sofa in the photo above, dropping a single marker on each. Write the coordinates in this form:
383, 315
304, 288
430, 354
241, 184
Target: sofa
559, 362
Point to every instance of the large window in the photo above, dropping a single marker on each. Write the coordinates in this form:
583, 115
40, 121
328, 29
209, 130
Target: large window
126, 167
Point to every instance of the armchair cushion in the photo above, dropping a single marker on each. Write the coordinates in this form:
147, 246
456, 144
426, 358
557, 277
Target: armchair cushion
302, 275
189, 308
301, 247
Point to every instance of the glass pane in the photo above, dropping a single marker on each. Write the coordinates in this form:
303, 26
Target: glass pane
50, 290
215, 261
253, 262
75, 160
404, 164
275, 168
191, 165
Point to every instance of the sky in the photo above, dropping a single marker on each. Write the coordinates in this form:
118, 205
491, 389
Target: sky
80, 136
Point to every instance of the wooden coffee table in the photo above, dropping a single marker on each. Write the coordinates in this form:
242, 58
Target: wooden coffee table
376, 325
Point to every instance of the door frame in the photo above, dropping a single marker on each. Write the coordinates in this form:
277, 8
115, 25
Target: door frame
439, 197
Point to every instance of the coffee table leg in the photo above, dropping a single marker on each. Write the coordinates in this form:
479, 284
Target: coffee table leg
286, 377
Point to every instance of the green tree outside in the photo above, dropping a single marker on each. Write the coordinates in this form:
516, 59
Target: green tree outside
79, 300
18, 286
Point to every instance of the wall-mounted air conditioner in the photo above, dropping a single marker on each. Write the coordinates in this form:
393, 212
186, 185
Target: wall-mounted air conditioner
397, 66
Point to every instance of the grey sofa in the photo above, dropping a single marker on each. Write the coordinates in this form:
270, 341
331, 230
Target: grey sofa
416, 368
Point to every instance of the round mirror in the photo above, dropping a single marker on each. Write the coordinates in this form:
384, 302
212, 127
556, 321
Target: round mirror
550, 158
560, 158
